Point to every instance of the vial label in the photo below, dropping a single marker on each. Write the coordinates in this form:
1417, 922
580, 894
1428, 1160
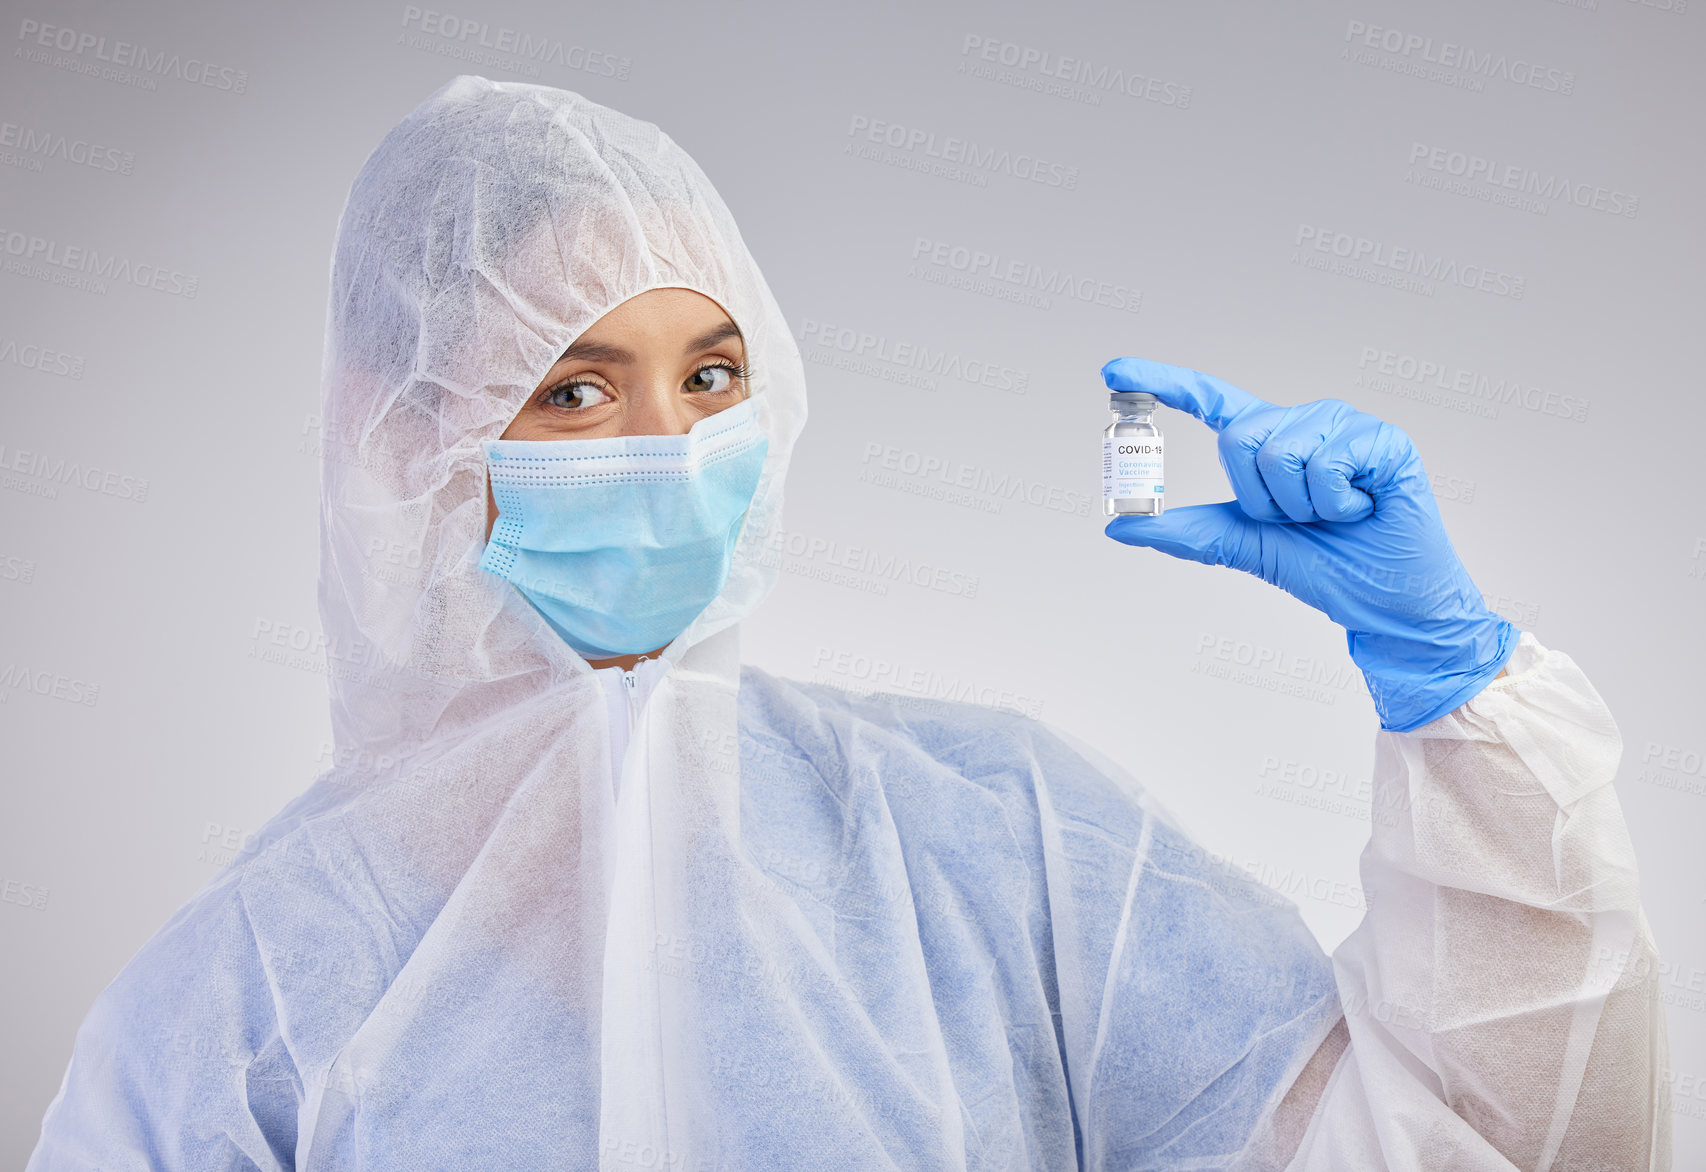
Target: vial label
1131, 466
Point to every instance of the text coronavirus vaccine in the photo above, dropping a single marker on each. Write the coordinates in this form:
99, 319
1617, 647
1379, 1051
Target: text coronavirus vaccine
1133, 480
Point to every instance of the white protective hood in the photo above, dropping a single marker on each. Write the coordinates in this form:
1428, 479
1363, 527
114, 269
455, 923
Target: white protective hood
487, 231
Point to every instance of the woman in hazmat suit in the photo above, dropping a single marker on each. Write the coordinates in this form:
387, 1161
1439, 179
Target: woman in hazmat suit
582, 891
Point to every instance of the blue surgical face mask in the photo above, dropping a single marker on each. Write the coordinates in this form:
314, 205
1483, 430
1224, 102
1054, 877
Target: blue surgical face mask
620, 543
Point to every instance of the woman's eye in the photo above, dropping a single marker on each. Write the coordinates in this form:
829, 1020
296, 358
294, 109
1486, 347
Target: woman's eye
575, 396
710, 380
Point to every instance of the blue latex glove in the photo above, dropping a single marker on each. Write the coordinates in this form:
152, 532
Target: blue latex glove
1333, 507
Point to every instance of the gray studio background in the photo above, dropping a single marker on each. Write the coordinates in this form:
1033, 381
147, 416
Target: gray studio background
161, 691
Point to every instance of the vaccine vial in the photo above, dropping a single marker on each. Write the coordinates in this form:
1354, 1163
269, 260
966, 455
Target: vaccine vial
1132, 481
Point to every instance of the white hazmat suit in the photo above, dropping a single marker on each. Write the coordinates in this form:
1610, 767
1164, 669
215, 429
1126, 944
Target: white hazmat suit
806, 930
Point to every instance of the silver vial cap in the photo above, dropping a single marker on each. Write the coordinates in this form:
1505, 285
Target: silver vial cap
1132, 397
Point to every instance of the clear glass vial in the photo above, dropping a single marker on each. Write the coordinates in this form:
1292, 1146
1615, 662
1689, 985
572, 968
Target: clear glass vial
1132, 465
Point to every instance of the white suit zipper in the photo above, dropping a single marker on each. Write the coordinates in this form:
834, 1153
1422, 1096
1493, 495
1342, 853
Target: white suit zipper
631, 688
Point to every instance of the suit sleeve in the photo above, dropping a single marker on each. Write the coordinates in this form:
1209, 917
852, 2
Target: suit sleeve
1500, 993
181, 1063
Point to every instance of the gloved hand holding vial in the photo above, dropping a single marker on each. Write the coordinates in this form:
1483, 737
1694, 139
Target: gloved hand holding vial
1332, 506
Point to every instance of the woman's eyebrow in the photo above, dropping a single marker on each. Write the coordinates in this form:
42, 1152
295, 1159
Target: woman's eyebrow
596, 352
602, 352
711, 337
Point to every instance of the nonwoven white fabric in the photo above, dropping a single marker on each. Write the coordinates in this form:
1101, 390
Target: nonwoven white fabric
1502, 994
814, 930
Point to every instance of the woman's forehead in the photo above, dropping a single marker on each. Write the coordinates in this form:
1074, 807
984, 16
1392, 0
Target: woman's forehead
671, 317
